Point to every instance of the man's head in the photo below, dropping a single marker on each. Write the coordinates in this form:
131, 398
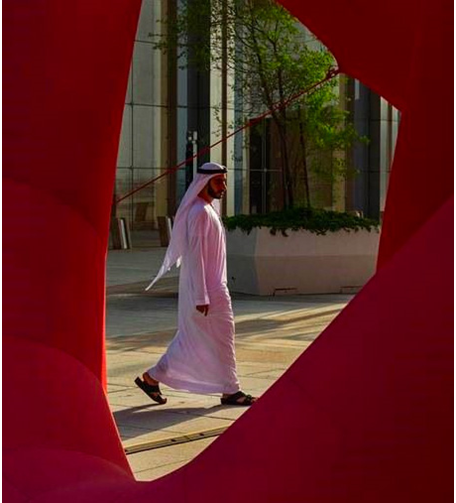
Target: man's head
215, 188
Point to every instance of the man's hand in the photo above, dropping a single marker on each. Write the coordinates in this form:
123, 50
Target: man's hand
203, 309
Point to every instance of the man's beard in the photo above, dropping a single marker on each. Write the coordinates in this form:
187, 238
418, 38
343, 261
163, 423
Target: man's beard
213, 194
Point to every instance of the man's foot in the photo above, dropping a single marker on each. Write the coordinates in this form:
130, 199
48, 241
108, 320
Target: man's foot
149, 380
151, 388
239, 398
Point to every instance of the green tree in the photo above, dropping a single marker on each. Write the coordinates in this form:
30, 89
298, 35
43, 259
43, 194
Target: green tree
272, 59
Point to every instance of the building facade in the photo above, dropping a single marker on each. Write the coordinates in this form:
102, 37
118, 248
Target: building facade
172, 110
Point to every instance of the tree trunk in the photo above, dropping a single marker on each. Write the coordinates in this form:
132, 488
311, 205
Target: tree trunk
288, 199
283, 138
304, 157
281, 124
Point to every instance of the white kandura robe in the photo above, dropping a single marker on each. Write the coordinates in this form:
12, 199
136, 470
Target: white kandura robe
201, 357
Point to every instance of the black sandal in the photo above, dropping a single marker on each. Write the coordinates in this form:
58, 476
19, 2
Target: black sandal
234, 399
152, 391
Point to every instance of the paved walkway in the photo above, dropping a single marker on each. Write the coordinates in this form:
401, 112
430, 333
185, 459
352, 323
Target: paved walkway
271, 332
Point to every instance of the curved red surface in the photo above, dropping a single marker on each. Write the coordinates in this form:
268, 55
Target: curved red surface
363, 415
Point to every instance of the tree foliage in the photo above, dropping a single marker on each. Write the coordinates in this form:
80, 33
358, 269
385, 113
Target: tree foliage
271, 58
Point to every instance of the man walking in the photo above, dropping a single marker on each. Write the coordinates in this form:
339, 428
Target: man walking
201, 357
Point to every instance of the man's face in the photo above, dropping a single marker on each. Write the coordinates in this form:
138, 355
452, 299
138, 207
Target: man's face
216, 186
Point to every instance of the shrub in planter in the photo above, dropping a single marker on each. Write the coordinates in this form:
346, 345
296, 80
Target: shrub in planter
313, 220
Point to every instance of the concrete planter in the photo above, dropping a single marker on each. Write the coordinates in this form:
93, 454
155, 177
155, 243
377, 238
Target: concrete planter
302, 262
